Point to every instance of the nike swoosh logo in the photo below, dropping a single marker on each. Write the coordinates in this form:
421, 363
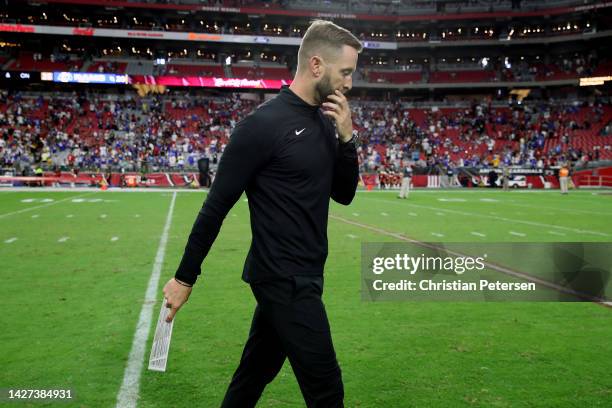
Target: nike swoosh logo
298, 133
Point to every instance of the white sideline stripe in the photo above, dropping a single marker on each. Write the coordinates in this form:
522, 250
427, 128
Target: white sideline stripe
103, 215
510, 220
128, 393
478, 234
518, 234
42, 206
412, 214
63, 239
556, 233
384, 214
351, 236
436, 234
69, 216
114, 239
439, 213
10, 240
35, 216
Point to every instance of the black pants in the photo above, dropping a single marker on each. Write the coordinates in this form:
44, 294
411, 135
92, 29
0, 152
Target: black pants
289, 322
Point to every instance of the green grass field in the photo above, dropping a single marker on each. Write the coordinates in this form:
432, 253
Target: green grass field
74, 273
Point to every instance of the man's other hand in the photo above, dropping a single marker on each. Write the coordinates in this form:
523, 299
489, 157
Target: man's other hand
176, 295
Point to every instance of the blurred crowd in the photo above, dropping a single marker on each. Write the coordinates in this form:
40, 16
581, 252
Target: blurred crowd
531, 136
131, 133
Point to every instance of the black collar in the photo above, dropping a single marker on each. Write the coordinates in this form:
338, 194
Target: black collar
289, 97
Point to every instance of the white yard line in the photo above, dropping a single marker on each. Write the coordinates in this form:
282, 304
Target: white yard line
128, 393
10, 240
518, 234
437, 234
571, 211
478, 234
63, 239
113, 239
43, 205
384, 214
351, 236
510, 220
35, 216
557, 233
493, 266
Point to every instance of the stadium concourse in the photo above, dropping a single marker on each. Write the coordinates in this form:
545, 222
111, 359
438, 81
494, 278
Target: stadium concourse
88, 133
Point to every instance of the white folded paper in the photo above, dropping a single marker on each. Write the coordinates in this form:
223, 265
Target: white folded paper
161, 341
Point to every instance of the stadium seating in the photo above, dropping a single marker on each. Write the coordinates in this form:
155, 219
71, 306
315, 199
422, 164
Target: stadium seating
172, 132
26, 62
266, 72
195, 70
108, 67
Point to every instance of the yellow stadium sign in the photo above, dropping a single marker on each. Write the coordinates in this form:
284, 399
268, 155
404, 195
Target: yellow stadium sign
594, 80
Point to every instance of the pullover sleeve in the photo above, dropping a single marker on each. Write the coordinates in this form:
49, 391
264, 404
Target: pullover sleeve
346, 173
249, 148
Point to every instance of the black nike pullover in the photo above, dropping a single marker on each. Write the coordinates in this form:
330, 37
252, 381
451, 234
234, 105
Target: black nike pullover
286, 156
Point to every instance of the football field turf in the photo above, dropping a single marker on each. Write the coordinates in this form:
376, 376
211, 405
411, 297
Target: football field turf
75, 267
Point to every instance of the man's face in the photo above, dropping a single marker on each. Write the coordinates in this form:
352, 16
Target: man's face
338, 74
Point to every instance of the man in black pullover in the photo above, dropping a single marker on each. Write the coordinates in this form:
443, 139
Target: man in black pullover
290, 156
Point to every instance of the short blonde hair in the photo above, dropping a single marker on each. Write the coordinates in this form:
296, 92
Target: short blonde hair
325, 37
